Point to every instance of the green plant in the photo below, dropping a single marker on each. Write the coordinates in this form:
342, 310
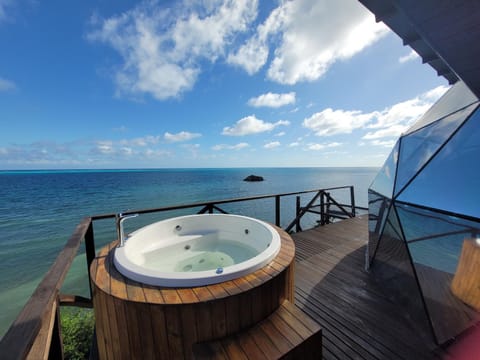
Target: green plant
77, 332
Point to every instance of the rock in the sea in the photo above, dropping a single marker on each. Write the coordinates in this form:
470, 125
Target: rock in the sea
253, 178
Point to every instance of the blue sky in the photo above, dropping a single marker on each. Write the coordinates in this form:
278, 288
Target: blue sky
129, 84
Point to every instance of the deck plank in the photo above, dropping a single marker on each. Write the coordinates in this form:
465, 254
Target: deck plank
359, 320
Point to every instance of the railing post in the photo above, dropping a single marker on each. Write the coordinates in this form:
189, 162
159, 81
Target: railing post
277, 210
322, 209
327, 211
90, 252
352, 200
210, 208
56, 344
297, 212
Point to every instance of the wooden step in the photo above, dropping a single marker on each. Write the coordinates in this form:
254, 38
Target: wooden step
288, 333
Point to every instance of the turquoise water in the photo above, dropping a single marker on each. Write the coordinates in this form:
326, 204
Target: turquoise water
40, 209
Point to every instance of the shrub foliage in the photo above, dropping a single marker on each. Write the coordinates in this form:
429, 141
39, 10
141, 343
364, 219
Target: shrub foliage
77, 332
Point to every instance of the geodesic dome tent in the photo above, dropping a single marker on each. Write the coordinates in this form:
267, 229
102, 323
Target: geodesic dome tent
424, 216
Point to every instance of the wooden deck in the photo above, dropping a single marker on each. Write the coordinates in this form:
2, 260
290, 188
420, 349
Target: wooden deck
358, 319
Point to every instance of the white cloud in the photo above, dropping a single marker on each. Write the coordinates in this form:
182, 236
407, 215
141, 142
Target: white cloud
412, 55
384, 143
309, 36
407, 112
161, 49
104, 147
39, 152
78, 153
331, 122
389, 122
251, 125
391, 131
271, 145
434, 94
6, 85
141, 141
319, 33
323, 146
181, 136
145, 145
272, 100
251, 56
294, 144
127, 151
191, 146
230, 147
155, 153
281, 133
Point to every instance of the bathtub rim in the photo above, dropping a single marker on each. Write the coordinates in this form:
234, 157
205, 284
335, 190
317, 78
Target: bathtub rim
148, 276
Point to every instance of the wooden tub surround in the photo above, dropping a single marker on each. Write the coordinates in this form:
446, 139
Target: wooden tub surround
135, 320
288, 333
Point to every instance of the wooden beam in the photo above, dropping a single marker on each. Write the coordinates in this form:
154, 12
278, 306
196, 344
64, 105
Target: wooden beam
41, 347
75, 300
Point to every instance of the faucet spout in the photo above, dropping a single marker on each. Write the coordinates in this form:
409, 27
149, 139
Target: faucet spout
119, 219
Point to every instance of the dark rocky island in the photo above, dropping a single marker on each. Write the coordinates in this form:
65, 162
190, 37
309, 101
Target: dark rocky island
253, 178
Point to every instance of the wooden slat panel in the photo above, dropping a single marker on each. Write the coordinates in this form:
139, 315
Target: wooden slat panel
171, 296
115, 328
187, 296
280, 340
282, 334
204, 321
232, 312
264, 343
189, 330
249, 346
245, 312
146, 335
174, 332
219, 321
234, 350
101, 306
465, 284
159, 329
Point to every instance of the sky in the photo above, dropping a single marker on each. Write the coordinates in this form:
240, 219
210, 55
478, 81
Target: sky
214, 83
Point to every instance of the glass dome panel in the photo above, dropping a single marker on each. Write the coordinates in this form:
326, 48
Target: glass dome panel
378, 206
456, 98
418, 147
385, 179
435, 243
451, 180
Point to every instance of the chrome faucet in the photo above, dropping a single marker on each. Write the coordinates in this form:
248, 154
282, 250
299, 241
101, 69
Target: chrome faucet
119, 219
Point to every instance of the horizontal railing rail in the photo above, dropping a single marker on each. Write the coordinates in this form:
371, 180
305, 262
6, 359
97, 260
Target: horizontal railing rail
36, 333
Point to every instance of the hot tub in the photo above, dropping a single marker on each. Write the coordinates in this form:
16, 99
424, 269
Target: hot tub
159, 322
197, 250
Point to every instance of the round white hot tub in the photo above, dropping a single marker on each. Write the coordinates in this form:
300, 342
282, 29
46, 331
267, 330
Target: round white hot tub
197, 250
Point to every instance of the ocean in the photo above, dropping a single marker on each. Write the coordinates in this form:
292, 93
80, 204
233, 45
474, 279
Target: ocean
40, 209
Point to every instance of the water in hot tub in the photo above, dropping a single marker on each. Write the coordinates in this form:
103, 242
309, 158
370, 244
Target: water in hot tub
200, 256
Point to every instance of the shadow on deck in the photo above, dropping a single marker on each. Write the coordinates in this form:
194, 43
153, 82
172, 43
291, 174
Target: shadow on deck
359, 319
